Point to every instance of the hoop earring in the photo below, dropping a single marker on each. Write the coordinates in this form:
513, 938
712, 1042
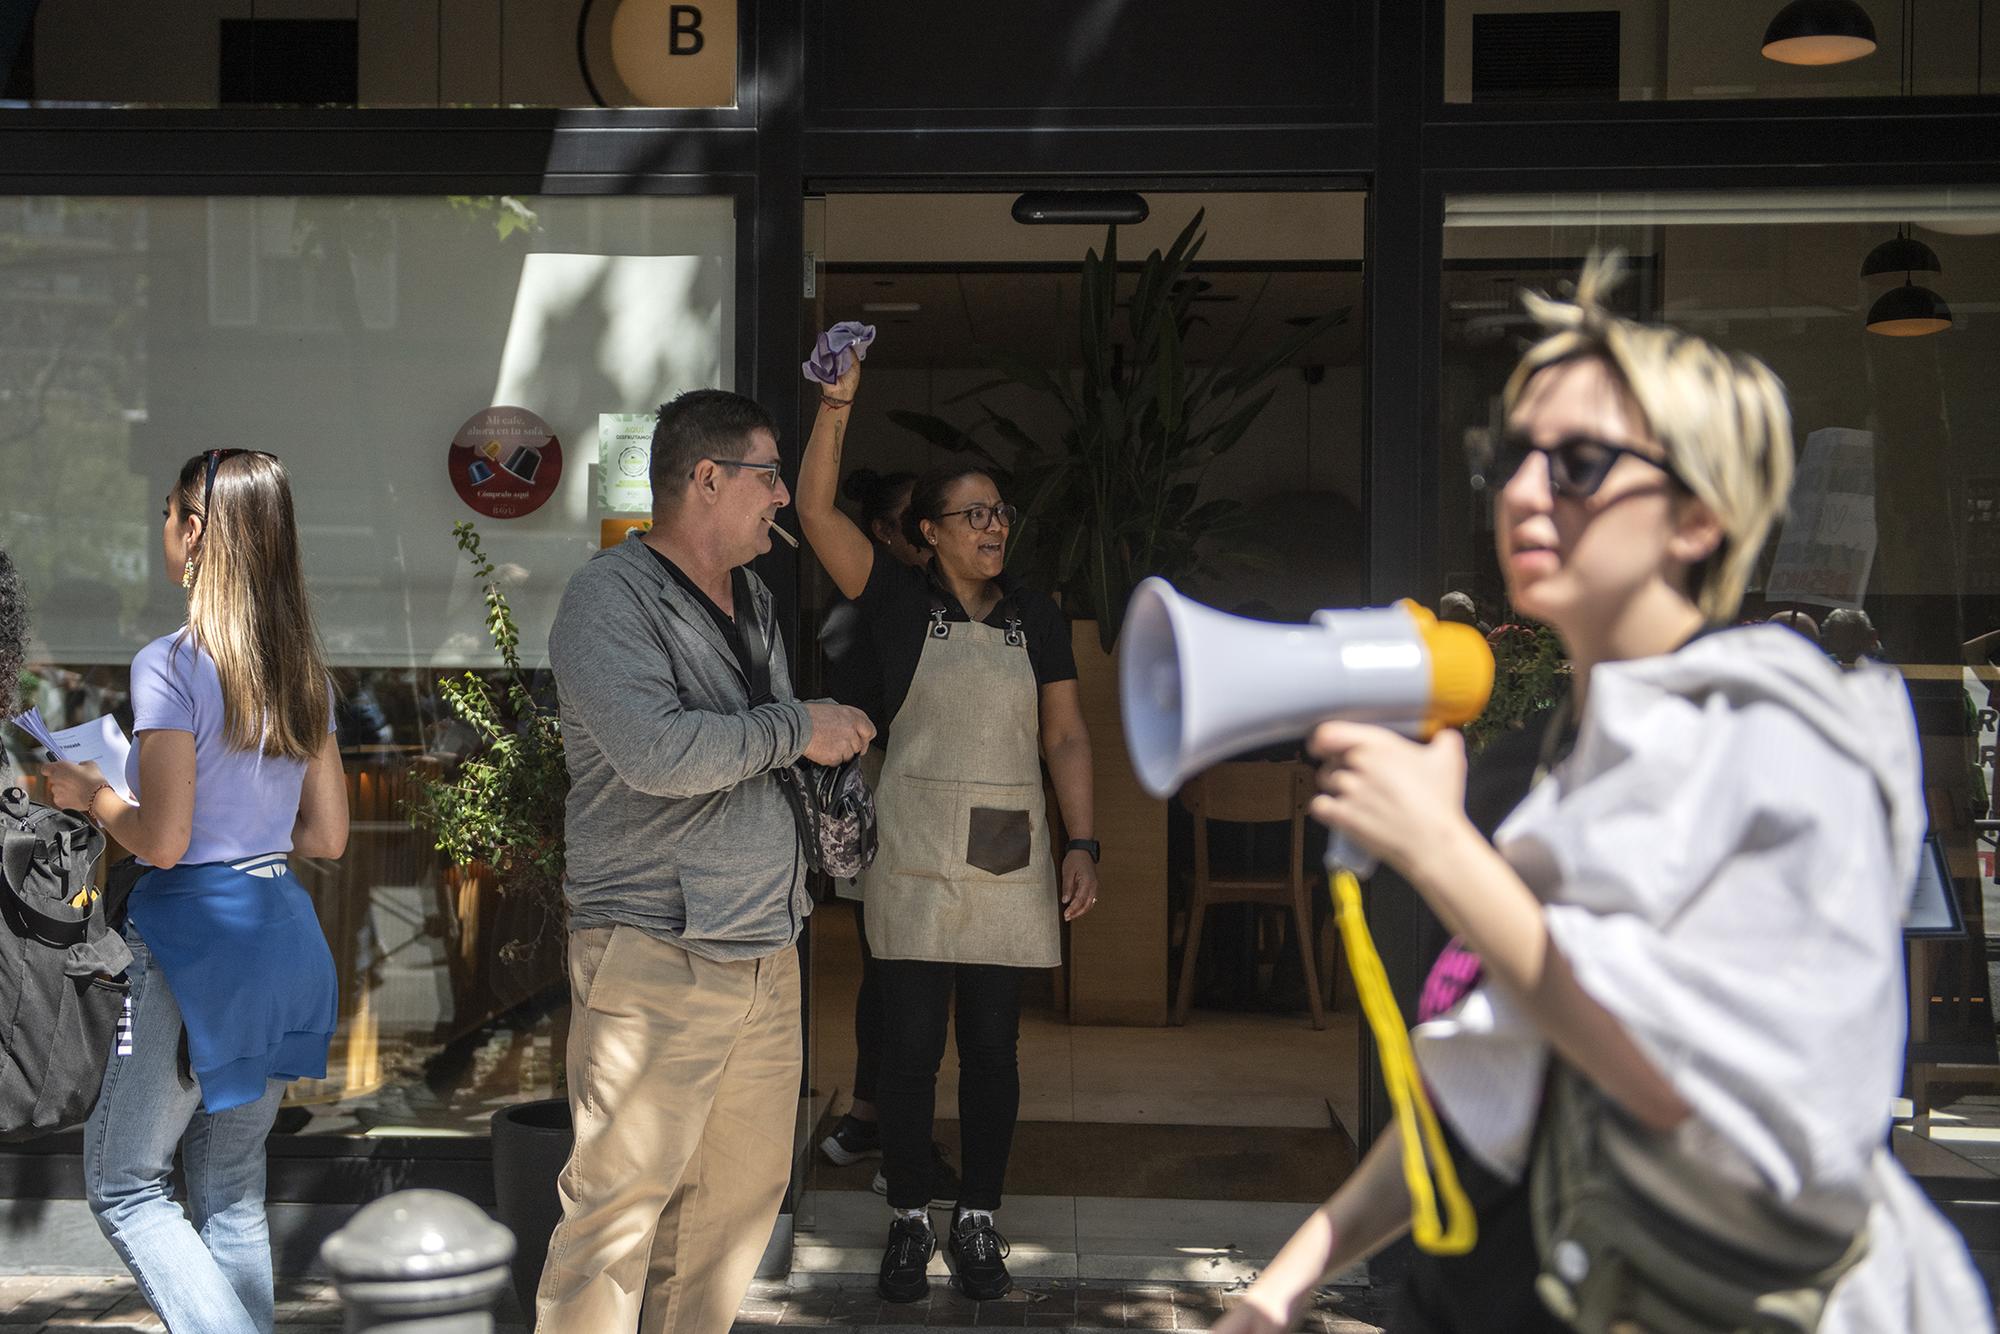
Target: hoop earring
187, 573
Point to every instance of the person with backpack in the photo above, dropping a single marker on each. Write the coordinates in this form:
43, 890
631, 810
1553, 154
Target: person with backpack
233, 991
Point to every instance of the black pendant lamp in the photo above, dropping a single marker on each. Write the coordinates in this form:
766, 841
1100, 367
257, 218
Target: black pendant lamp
1908, 311
1901, 254
1819, 32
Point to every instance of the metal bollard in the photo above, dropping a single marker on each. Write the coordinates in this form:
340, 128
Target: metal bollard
419, 1262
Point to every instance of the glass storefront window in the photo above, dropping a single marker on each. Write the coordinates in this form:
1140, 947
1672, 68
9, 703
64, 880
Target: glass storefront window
1894, 526
1500, 51
369, 342
377, 53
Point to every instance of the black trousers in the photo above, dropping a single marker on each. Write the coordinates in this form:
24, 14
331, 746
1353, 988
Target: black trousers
916, 1003
867, 1016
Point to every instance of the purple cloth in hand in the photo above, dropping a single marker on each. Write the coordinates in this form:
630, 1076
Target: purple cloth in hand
837, 349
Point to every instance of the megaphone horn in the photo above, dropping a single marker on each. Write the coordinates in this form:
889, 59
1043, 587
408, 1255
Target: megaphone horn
1198, 685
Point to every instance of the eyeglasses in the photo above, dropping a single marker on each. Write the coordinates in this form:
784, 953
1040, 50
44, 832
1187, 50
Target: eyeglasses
979, 518
770, 470
1578, 464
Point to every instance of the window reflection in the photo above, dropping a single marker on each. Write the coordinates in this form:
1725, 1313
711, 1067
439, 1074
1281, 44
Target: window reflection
1500, 51
352, 336
452, 998
1889, 547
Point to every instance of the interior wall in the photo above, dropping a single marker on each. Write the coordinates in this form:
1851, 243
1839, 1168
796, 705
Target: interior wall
1689, 49
450, 52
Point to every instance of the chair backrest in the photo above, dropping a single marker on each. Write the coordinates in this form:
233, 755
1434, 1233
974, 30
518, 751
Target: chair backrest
1248, 792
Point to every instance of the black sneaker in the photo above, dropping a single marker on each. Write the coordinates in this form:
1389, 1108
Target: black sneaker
978, 1255
851, 1141
944, 1181
911, 1245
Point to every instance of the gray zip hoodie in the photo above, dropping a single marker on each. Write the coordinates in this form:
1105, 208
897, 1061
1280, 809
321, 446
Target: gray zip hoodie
675, 824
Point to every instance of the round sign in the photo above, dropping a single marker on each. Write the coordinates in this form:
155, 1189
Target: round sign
505, 462
676, 55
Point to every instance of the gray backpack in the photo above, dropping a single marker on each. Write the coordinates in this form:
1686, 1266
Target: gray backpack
1635, 1235
61, 985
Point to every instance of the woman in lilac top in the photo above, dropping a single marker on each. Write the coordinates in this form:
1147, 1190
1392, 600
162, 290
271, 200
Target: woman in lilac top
232, 987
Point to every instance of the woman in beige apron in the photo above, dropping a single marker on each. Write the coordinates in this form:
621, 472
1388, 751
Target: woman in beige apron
964, 895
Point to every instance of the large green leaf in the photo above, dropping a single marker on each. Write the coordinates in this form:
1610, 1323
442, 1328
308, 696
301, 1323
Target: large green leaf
1116, 495
1171, 393
1255, 374
992, 356
1011, 432
939, 432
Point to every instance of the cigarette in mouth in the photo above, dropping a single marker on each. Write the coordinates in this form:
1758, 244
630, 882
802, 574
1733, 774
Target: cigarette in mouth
790, 541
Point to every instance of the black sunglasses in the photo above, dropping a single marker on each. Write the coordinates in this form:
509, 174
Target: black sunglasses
1578, 464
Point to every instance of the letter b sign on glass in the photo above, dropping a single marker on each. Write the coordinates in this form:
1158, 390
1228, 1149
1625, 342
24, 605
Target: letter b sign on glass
675, 55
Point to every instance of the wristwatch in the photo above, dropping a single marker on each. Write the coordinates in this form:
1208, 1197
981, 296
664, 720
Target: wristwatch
1088, 845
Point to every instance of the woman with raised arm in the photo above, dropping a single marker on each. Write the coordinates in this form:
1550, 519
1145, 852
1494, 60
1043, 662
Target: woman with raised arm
978, 688
1688, 931
232, 985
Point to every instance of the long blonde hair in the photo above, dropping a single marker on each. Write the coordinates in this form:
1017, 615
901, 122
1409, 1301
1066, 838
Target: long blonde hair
248, 605
1721, 416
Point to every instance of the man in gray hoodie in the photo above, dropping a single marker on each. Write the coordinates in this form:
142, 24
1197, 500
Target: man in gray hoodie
686, 891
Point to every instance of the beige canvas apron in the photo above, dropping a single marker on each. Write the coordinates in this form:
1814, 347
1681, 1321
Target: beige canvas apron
963, 873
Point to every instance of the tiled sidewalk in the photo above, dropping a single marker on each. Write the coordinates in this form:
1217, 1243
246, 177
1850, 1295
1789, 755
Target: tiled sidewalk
847, 1303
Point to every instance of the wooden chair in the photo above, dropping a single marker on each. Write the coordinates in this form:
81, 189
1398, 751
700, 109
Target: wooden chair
1250, 792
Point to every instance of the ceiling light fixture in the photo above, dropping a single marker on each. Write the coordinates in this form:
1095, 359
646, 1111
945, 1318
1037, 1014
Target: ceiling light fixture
1901, 253
1819, 32
1080, 206
1909, 311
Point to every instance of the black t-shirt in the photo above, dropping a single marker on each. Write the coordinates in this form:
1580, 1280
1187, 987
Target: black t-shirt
852, 673
1493, 1286
896, 607
732, 635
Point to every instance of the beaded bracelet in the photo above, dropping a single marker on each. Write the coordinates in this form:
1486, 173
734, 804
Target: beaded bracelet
90, 804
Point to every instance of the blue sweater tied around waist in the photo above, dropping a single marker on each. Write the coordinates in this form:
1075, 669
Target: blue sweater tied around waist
248, 964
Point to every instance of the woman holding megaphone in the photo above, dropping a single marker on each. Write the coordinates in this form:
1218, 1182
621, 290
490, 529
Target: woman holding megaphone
978, 687
1686, 1021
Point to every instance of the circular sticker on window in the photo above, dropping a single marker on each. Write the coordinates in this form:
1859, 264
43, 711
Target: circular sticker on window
505, 462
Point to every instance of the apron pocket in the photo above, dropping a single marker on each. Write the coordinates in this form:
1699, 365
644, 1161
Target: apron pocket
998, 841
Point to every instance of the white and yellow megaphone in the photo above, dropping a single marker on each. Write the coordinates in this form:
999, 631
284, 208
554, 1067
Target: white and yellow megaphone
1199, 685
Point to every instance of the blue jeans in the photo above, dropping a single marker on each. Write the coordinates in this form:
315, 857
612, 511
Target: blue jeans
205, 1274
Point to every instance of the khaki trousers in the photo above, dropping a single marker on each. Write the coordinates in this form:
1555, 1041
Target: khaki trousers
684, 1085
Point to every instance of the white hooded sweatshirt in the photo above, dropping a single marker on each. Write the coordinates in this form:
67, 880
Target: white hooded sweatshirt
1726, 858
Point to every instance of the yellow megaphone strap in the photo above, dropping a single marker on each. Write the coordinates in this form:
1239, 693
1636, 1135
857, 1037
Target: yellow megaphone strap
1424, 1151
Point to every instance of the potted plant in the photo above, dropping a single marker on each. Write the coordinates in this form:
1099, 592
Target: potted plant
1530, 674
501, 808
1116, 495
1112, 496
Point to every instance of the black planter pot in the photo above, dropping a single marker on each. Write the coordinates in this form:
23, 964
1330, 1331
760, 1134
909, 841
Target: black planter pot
531, 1142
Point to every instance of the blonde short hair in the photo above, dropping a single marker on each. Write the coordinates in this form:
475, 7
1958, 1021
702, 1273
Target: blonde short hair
1721, 416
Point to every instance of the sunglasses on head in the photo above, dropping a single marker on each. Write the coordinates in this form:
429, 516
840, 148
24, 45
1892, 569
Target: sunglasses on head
1578, 464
